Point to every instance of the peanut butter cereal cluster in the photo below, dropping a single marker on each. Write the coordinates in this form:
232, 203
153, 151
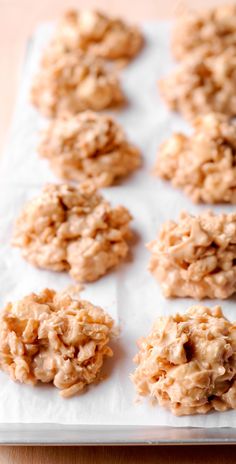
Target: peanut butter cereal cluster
74, 82
53, 338
188, 362
96, 34
213, 30
196, 257
196, 163
73, 229
89, 146
202, 84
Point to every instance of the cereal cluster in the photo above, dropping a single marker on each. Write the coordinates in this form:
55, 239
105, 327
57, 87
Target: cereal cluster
74, 74
196, 163
212, 29
196, 257
201, 84
88, 146
96, 34
74, 82
188, 362
72, 229
49, 337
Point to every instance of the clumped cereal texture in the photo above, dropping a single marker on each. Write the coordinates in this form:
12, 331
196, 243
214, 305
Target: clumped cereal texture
196, 257
188, 362
201, 84
74, 82
89, 146
96, 34
203, 164
73, 229
50, 337
212, 29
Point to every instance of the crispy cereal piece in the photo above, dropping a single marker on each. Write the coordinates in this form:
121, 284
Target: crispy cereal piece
196, 257
74, 82
89, 146
95, 34
202, 84
188, 362
196, 163
213, 30
50, 337
73, 229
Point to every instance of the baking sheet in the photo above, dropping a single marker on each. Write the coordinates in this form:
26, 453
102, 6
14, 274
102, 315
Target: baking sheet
129, 293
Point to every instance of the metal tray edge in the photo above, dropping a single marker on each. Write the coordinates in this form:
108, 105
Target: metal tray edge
56, 434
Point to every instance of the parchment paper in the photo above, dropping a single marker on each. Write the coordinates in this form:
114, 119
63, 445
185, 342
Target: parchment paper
129, 293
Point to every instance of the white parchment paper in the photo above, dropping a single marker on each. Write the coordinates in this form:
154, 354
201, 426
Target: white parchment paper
129, 293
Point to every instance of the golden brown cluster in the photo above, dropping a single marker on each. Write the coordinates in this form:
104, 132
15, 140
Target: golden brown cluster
74, 73
89, 146
96, 34
50, 337
196, 163
75, 82
72, 229
201, 84
196, 257
188, 362
212, 29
